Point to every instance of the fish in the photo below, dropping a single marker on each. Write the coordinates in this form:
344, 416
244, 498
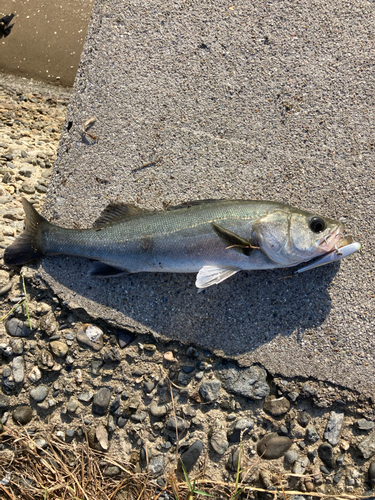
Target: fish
213, 238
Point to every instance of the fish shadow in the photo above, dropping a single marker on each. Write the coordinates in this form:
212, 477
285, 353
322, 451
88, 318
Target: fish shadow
235, 317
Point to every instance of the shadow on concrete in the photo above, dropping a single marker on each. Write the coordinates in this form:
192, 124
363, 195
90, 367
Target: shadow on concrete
235, 317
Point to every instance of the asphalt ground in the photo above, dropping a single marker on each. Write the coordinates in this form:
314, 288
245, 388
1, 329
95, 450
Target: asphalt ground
45, 42
259, 101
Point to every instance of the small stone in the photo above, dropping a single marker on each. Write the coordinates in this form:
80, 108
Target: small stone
290, 457
326, 454
91, 336
168, 356
234, 460
276, 407
121, 421
248, 382
41, 443
191, 455
149, 347
273, 446
46, 360
124, 338
96, 365
300, 465
85, 397
72, 405
333, 429
371, 473
27, 188
22, 414
192, 352
311, 434
101, 401
112, 355
209, 389
35, 374
102, 437
4, 402
139, 416
179, 422
160, 410
293, 396
367, 446
17, 344
241, 426
218, 440
149, 386
112, 471
156, 466
26, 171
365, 425
303, 419
69, 435
48, 324
18, 369
59, 349
39, 393
17, 328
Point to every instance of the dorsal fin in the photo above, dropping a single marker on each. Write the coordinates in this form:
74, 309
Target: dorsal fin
188, 204
119, 212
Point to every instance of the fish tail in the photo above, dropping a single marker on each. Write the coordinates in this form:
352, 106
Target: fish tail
28, 246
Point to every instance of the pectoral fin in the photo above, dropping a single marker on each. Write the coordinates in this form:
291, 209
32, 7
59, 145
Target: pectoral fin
101, 270
212, 275
232, 240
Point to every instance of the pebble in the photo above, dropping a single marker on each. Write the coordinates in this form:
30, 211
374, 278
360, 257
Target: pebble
191, 455
326, 454
333, 429
241, 426
371, 473
156, 466
4, 402
112, 471
35, 374
209, 389
290, 457
303, 418
72, 405
234, 462
311, 434
181, 424
91, 336
39, 393
124, 338
276, 407
48, 324
218, 440
273, 446
365, 425
101, 401
59, 349
17, 345
85, 397
367, 446
18, 369
17, 328
22, 414
248, 382
159, 410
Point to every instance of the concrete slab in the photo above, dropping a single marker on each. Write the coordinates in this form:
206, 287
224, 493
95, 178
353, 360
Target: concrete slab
244, 100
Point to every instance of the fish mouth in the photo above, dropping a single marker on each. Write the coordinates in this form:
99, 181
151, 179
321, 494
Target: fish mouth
335, 240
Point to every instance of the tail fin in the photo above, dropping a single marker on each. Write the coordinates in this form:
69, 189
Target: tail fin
27, 247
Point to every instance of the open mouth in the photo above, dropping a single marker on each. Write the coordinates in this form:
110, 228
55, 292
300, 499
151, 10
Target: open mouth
335, 240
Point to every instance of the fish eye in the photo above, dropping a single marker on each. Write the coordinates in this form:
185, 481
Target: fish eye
317, 225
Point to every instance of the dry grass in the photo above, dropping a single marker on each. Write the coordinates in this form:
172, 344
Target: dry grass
75, 472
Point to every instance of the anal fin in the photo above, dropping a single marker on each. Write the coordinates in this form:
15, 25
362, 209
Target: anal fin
212, 275
101, 270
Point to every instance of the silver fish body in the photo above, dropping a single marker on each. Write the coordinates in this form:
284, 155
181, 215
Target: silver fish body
215, 238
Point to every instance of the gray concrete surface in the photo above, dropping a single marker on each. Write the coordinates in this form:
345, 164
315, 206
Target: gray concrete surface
46, 40
244, 100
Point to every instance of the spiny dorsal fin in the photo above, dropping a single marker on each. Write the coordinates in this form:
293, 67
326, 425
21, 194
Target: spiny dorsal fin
232, 240
119, 212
